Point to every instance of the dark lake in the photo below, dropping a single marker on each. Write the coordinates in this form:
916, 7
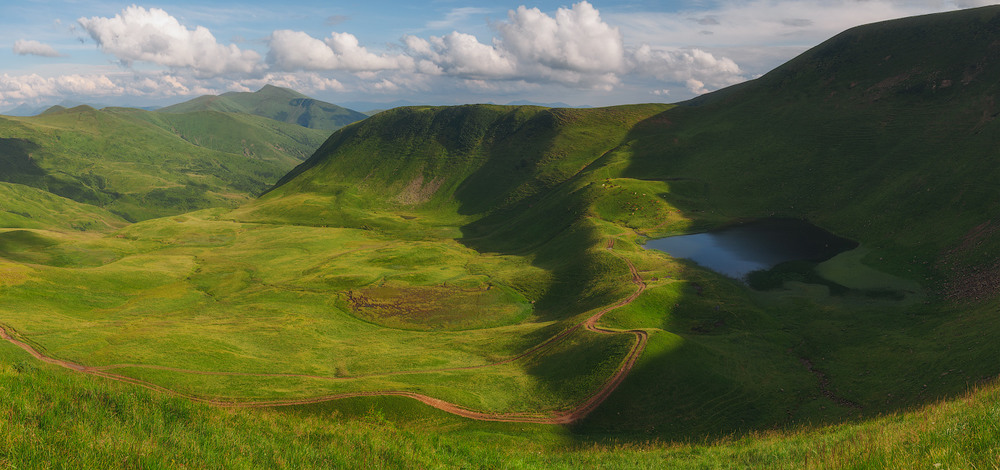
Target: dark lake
736, 250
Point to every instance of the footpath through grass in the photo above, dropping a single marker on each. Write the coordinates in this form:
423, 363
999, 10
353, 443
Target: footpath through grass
52, 418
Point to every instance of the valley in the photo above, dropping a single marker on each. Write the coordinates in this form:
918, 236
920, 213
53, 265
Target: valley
470, 285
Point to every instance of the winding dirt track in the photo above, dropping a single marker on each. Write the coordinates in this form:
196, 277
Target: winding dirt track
559, 417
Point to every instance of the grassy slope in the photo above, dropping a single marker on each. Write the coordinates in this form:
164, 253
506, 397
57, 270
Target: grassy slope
883, 134
270, 140
721, 358
280, 104
55, 418
140, 165
253, 289
32, 208
853, 133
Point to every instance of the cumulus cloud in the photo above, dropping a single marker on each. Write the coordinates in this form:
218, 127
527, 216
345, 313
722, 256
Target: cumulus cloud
686, 66
461, 55
32, 87
765, 33
296, 50
576, 39
573, 47
307, 82
138, 34
31, 47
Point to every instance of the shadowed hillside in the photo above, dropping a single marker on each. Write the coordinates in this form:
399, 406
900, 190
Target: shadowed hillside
885, 133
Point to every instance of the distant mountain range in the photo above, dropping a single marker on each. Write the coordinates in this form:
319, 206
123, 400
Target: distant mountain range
280, 104
371, 107
25, 109
141, 164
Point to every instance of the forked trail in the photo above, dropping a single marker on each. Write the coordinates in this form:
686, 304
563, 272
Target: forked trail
558, 417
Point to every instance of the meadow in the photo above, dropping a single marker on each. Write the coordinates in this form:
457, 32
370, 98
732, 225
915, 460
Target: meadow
492, 258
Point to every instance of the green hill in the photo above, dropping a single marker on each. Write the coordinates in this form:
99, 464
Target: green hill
140, 164
490, 257
31, 208
280, 104
884, 134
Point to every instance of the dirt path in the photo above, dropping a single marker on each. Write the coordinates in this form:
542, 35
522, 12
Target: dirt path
562, 417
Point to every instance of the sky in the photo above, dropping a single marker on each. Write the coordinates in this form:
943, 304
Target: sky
588, 53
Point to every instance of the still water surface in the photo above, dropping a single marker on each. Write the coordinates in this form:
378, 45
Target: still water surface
762, 244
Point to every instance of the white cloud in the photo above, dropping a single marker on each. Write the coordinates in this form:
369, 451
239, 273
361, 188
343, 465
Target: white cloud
696, 86
461, 55
765, 33
576, 39
32, 87
31, 47
296, 50
138, 34
574, 47
305, 82
581, 54
686, 65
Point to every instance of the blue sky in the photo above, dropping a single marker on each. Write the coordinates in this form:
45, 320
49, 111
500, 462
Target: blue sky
441, 52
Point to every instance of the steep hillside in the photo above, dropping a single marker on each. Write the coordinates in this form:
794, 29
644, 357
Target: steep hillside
280, 104
471, 160
886, 133
140, 164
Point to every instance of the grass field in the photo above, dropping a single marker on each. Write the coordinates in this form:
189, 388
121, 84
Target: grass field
457, 254
56, 418
139, 164
260, 303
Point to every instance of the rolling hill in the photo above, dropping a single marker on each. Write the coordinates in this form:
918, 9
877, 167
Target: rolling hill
280, 104
877, 134
139, 164
487, 261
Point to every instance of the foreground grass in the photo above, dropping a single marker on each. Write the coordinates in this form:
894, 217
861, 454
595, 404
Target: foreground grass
56, 419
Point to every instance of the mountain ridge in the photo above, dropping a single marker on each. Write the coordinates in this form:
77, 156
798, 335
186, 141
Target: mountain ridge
280, 104
140, 164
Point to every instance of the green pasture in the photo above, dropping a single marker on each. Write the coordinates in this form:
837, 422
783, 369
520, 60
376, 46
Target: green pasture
189, 295
422, 249
56, 418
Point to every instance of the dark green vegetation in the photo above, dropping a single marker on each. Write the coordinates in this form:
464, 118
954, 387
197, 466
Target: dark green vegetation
420, 249
139, 164
280, 104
